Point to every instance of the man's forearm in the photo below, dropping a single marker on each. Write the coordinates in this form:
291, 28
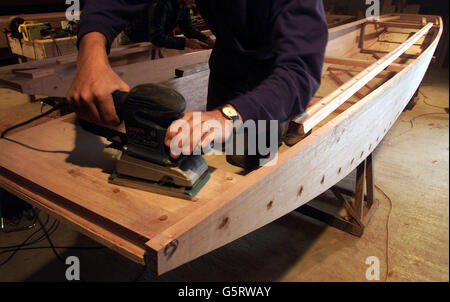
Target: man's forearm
92, 48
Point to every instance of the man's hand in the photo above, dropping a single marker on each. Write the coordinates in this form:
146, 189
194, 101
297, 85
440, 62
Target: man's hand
195, 44
91, 93
210, 42
197, 129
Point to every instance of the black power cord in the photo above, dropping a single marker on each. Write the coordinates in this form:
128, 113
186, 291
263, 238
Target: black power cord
56, 107
18, 247
14, 249
50, 241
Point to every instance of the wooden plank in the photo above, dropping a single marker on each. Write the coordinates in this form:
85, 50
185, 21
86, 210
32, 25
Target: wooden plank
335, 77
376, 51
336, 20
360, 63
358, 202
57, 85
362, 35
33, 73
194, 88
398, 24
382, 75
68, 161
320, 111
191, 69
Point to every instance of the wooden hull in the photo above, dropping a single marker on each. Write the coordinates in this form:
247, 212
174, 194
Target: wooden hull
302, 173
165, 232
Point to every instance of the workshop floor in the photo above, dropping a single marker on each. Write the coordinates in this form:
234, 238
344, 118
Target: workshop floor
411, 173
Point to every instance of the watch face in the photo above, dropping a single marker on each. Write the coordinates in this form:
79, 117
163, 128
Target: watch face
230, 112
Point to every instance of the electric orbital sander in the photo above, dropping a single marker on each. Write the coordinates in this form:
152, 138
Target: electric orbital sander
142, 159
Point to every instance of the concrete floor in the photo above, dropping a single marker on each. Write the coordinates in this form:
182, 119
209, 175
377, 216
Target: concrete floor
411, 170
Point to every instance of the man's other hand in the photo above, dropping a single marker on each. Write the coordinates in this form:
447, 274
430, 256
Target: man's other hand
90, 95
196, 44
197, 130
210, 42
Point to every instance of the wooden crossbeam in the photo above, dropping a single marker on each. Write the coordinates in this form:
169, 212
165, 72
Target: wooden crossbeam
321, 110
375, 51
360, 63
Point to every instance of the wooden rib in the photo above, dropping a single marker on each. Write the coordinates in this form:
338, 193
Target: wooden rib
362, 36
395, 24
320, 111
360, 63
374, 51
382, 75
340, 82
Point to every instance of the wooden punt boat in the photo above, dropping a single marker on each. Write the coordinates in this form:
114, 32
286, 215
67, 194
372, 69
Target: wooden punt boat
372, 70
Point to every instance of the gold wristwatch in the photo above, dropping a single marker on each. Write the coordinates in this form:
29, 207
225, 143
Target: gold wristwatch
230, 113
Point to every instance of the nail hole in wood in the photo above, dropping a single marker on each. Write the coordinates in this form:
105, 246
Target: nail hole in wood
362, 153
300, 191
117, 190
269, 205
340, 170
224, 222
353, 160
323, 180
163, 218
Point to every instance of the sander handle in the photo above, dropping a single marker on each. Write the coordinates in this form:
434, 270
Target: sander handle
119, 98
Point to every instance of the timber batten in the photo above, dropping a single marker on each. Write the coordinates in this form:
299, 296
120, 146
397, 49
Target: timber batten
166, 232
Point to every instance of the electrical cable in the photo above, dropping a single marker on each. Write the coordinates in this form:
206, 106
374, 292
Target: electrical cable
411, 121
23, 243
51, 243
431, 105
52, 229
14, 249
57, 107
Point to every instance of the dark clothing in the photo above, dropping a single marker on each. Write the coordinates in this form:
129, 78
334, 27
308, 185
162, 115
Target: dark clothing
268, 56
137, 29
157, 22
165, 16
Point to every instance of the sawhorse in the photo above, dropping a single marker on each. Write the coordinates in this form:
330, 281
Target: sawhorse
357, 208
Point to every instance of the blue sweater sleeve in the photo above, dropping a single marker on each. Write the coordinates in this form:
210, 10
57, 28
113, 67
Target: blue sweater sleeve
299, 38
108, 17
